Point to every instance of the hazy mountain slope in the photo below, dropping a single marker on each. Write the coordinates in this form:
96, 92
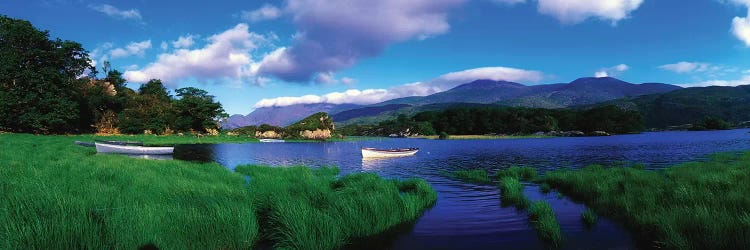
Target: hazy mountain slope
283, 116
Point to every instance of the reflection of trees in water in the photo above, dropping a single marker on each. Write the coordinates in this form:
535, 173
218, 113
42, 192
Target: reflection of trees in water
199, 153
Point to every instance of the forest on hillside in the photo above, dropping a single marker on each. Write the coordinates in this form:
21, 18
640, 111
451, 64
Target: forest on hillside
505, 120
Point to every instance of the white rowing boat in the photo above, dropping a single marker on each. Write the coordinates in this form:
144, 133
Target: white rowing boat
270, 140
132, 150
377, 153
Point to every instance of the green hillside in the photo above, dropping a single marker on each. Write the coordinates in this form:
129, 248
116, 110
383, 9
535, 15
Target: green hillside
690, 105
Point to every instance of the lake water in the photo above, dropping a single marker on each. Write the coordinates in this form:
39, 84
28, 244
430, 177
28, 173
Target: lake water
468, 216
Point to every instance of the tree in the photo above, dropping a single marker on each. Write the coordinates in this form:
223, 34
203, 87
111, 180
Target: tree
196, 110
39, 79
149, 110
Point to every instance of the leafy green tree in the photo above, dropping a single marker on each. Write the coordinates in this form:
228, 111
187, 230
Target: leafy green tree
151, 109
39, 79
196, 109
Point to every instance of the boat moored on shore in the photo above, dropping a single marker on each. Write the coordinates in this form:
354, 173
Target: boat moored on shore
132, 150
380, 153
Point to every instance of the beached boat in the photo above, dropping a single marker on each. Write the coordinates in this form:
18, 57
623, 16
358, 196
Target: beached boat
374, 152
132, 150
271, 140
122, 143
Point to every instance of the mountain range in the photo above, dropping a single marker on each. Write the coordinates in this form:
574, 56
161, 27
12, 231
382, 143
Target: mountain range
582, 91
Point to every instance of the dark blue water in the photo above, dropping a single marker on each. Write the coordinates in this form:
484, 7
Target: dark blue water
469, 216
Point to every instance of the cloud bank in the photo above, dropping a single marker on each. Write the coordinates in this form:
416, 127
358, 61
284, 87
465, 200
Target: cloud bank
745, 80
335, 34
225, 56
442, 83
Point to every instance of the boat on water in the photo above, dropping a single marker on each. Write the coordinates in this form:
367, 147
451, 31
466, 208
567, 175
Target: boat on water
271, 140
398, 152
132, 150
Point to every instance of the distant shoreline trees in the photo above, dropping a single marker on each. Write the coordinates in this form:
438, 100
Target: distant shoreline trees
50, 87
506, 120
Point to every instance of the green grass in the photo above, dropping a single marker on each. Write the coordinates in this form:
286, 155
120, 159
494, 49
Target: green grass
312, 209
543, 220
589, 217
56, 195
521, 173
545, 188
471, 175
696, 205
511, 193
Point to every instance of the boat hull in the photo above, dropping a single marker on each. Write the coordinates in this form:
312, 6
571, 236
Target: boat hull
377, 153
132, 150
271, 140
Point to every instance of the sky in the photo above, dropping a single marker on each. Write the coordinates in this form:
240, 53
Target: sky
252, 54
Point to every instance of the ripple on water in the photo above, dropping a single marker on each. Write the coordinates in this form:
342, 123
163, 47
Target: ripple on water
468, 216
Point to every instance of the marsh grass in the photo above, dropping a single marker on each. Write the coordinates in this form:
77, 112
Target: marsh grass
478, 176
696, 205
589, 217
545, 188
306, 208
56, 195
543, 220
511, 193
521, 173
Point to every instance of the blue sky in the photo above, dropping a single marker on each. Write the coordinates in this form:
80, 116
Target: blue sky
249, 53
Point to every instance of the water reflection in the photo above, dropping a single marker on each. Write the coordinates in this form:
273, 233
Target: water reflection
471, 215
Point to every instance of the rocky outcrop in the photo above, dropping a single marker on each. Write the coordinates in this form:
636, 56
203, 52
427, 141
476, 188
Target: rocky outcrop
270, 134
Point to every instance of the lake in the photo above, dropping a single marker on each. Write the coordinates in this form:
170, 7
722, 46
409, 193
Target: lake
468, 215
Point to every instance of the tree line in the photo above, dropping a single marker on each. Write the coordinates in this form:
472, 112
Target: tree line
49, 86
505, 120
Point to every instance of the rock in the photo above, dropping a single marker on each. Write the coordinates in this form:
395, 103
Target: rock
599, 133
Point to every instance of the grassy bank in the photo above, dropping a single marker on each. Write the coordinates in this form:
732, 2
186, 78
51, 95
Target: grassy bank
485, 137
696, 205
55, 195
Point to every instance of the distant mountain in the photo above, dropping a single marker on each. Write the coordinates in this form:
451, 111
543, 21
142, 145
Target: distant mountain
283, 116
583, 91
367, 111
689, 105
588, 90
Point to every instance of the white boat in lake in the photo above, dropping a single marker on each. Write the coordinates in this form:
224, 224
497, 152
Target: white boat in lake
270, 140
379, 153
132, 150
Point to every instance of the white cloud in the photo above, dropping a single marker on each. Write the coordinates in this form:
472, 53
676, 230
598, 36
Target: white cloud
442, 83
510, 2
266, 12
745, 80
164, 45
576, 11
686, 67
183, 42
600, 74
112, 11
336, 34
612, 71
741, 28
225, 57
134, 48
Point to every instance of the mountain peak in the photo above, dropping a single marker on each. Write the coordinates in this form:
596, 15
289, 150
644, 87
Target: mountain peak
488, 84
